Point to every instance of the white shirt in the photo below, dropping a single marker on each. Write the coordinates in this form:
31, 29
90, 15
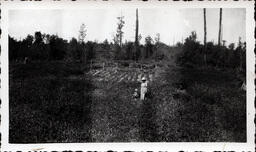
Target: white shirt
144, 86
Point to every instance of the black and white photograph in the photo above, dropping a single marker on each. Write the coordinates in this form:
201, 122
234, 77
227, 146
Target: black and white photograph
128, 75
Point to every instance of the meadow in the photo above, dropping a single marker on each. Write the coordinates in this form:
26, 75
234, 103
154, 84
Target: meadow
61, 101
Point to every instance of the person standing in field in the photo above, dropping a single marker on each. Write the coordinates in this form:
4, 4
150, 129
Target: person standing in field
144, 88
136, 94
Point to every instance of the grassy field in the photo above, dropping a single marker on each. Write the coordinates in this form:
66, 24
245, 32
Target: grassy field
68, 102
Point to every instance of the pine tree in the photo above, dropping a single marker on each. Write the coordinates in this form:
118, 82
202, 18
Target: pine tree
81, 37
120, 25
82, 33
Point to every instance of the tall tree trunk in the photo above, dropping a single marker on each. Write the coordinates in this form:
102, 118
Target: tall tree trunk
136, 36
205, 34
220, 27
240, 45
120, 40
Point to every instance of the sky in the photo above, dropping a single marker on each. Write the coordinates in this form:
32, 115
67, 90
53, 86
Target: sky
173, 25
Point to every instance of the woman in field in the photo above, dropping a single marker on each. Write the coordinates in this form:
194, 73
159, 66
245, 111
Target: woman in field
144, 88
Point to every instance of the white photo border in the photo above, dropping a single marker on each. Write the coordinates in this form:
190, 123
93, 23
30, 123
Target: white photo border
133, 146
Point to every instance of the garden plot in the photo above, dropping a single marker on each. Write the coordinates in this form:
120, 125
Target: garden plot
112, 75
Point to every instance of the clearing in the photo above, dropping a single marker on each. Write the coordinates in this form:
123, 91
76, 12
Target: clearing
69, 102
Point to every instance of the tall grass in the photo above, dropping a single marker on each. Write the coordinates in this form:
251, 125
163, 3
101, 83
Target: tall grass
213, 108
46, 106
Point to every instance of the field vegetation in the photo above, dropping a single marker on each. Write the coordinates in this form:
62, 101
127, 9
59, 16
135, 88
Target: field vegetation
72, 91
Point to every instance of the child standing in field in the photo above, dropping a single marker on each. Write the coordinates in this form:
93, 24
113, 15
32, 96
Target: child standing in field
144, 88
136, 94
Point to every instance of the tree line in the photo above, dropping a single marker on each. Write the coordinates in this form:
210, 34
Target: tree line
221, 56
49, 47
214, 55
52, 47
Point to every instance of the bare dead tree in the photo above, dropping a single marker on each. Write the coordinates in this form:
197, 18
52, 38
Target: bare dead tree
240, 45
220, 27
136, 35
205, 34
